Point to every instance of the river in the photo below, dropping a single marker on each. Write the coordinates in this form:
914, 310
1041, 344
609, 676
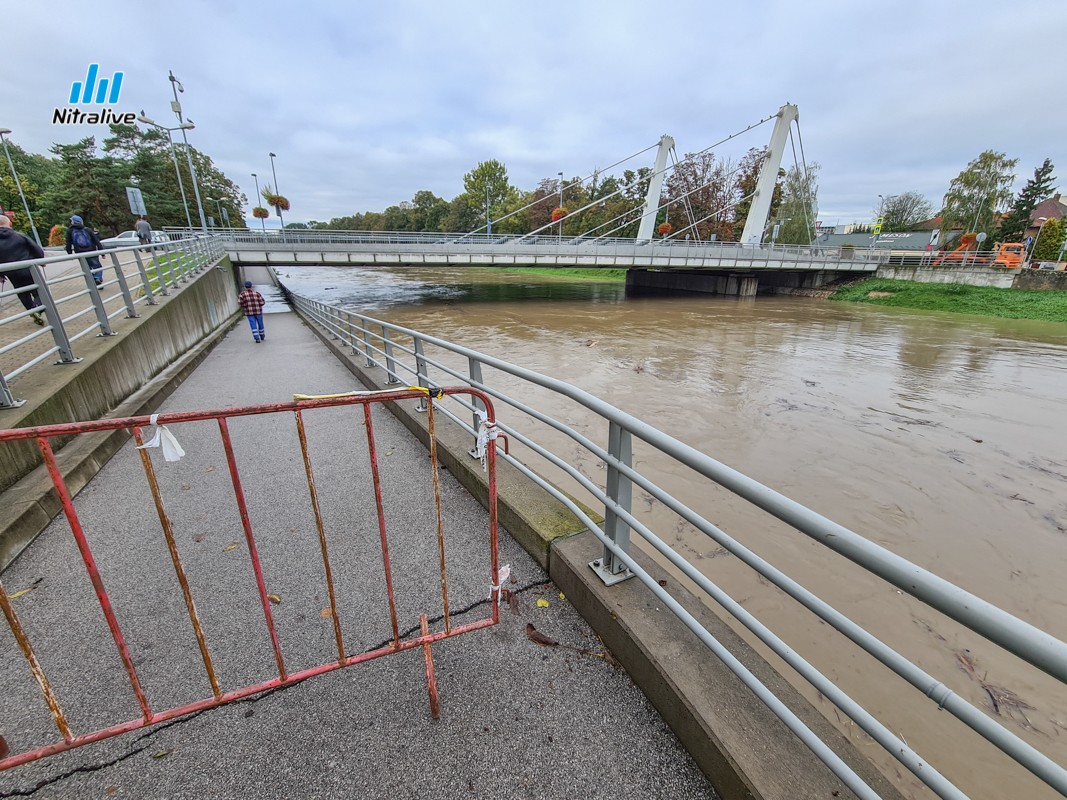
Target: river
941, 437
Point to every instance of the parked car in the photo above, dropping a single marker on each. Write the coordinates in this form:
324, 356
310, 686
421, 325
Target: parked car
129, 238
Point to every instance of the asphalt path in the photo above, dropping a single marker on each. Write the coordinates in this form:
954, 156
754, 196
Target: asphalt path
519, 719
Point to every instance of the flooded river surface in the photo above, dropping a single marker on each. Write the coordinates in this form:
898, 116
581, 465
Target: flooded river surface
941, 437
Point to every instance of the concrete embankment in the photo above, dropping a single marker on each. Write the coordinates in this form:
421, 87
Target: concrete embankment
745, 750
126, 374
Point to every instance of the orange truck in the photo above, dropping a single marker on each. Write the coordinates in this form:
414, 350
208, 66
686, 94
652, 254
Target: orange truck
1009, 255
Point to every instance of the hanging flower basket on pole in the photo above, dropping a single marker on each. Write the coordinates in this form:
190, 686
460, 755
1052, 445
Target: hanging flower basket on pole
259, 212
664, 229
558, 214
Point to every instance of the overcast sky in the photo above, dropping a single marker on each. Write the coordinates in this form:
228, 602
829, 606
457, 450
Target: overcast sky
365, 104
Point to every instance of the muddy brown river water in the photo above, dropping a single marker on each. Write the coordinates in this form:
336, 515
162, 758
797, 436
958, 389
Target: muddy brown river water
941, 437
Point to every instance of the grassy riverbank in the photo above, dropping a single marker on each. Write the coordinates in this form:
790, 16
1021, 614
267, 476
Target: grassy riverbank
591, 274
990, 302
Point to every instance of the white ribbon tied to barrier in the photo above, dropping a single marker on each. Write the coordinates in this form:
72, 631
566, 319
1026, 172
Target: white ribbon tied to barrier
164, 439
501, 578
486, 433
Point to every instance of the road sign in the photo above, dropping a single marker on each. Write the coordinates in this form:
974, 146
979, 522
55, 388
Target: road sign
133, 194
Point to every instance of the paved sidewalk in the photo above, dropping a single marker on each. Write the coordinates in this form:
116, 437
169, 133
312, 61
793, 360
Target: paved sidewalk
518, 719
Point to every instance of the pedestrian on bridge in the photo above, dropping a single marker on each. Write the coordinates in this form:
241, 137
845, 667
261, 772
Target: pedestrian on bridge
252, 302
83, 239
144, 231
16, 247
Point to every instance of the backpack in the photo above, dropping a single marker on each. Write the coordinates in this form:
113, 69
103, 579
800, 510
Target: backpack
81, 239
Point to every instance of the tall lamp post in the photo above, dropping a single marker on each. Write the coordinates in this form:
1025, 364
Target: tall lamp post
277, 191
882, 201
560, 235
18, 183
174, 157
262, 222
176, 86
1037, 238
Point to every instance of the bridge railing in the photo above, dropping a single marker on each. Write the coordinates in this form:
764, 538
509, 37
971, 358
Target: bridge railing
408, 356
55, 301
674, 250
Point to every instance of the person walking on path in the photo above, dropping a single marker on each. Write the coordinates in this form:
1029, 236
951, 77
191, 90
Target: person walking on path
252, 302
16, 247
82, 239
144, 231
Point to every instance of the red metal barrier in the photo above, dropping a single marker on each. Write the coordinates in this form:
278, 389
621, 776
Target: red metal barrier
43, 436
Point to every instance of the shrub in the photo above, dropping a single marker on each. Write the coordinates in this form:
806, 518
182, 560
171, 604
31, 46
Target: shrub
57, 236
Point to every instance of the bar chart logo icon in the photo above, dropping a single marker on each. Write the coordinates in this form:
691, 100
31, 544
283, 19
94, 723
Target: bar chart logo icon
82, 92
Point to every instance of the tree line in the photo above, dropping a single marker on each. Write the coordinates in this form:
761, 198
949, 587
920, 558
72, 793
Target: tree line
91, 181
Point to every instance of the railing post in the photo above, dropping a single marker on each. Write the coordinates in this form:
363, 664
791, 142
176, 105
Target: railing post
620, 489
7, 400
51, 313
144, 279
131, 312
474, 371
390, 364
172, 260
366, 344
420, 370
98, 301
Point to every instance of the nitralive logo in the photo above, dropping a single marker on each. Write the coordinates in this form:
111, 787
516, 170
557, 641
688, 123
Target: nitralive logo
94, 90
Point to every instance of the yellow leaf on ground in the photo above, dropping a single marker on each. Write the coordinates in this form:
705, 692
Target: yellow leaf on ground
19, 594
161, 754
326, 613
229, 547
274, 598
542, 603
562, 596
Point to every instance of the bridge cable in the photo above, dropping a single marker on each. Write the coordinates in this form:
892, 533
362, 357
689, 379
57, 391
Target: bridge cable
651, 175
568, 186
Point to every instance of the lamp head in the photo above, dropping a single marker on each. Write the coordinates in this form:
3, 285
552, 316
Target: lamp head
145, 119
272, 155
4, 130
188, 125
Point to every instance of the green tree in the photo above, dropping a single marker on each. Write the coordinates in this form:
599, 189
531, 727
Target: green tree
976, 195
1015, 223
463, 216
1048, 243
800, 205
905, 210
429, 210
488, 184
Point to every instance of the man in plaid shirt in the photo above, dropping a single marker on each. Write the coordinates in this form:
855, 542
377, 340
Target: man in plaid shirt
252, 302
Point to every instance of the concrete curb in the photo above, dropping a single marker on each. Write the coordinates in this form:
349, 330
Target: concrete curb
746, 752
31, 503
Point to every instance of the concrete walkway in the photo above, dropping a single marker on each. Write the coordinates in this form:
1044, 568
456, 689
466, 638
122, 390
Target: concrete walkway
518, 720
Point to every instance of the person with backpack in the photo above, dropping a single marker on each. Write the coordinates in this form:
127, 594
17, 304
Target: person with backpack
82, 239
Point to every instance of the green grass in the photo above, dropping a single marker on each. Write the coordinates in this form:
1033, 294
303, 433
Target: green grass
165, 263
960, 299
590, 274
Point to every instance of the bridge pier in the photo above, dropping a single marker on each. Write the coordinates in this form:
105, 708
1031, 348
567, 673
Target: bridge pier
734, 284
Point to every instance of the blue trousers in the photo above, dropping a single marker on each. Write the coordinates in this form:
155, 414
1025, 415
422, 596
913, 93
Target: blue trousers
255, 322
98, 270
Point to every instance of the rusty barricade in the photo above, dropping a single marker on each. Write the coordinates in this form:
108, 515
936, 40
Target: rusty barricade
220, 695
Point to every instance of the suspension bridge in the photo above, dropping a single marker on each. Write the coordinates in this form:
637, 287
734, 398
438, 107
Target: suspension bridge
681, 258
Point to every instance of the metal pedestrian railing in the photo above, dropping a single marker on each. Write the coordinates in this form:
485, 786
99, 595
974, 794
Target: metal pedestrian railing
661, 252
400, 639
67, 304
408, 356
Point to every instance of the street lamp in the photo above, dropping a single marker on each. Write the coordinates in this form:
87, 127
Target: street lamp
262, 223
882, 202
18, 183
176, 86
174, 157
218, 205
560, 236
1037, 238
277, 191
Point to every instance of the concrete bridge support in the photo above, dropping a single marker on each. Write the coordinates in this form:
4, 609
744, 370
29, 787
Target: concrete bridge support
734, 284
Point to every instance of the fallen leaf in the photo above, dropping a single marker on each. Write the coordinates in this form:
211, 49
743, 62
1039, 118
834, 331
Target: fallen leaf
388, 452
513, 603
274, 598
663, 583
186, 487
162, 753
111, 789
210, 469
199, 537
229, 547
19, 593
542, 603
292, 530
562, 596
537, 637
326, 613
514, 579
